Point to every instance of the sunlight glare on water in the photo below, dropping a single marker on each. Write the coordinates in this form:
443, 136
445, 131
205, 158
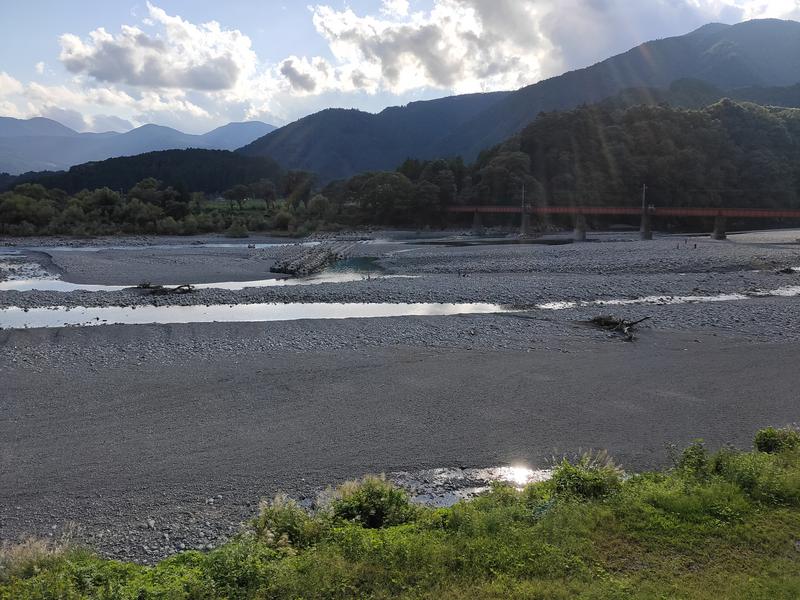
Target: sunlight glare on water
518, 475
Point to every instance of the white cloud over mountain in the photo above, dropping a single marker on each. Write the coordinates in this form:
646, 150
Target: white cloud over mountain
170, 70
183, 56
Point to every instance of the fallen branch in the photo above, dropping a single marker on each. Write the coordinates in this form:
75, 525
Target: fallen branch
616, 325
161, 290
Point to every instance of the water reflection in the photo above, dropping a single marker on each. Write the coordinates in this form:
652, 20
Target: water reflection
445, 487
784, 292
58, 285
18, 318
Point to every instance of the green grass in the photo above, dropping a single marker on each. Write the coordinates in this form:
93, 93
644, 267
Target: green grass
724, 525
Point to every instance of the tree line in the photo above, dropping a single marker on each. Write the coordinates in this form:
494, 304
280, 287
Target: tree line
729, 153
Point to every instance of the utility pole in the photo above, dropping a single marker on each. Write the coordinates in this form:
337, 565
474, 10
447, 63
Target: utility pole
645, 231
644, 198
523, 230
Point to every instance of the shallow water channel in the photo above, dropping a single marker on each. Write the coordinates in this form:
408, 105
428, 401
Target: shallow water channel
18, 318
58, 285
30, 276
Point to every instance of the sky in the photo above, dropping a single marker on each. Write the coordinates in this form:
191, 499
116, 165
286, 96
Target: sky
101, 65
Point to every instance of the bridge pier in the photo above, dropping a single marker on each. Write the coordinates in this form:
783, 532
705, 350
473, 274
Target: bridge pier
580, 228
477, 224
719, 228
646, 228
525, 224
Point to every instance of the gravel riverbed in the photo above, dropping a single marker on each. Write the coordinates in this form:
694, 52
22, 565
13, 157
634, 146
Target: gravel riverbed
151, 439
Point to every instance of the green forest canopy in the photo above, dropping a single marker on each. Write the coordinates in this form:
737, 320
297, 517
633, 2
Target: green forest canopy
727, 154
207, 171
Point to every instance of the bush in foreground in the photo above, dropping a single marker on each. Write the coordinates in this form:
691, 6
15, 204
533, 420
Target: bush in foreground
773, 440
721, 525
372, 502
589, 477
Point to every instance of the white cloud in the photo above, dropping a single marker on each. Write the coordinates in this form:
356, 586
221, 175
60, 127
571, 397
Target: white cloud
395, 8
8, 85
764, 9
163, 68
482, 45
39, 67
185, 56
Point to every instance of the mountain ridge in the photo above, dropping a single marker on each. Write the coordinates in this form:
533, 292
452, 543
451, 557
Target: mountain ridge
41, 144
754, 53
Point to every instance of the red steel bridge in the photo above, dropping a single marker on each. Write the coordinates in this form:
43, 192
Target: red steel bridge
720, 215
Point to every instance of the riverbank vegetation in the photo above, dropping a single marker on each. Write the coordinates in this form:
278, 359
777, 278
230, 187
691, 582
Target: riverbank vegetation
151, 207
721, 525
727, 154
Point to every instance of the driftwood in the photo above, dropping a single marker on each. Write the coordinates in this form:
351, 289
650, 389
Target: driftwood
616, 325
162, 290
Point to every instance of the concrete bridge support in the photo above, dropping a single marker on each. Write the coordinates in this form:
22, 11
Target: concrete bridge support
580, 228
477, 224
525, 224
719, 229
646, 228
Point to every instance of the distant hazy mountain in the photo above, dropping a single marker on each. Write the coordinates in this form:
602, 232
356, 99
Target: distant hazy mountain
338, 143
10, 127
41, 144
236, 135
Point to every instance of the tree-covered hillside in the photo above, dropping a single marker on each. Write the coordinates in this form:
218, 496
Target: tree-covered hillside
337, 143
208, 171
727, 154
732, 154
749, 61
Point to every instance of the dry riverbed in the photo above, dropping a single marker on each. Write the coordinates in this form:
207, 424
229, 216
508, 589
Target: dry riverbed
155, 438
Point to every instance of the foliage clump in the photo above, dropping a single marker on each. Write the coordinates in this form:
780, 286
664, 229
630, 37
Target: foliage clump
282, 521
773, 440
588, 478
237, 230
372, 502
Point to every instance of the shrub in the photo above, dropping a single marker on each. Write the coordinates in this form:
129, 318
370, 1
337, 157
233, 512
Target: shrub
774, 441
694, 501
283, 521
168, 226
282, 220
590, 477
256, 223
28, 557
769, 478
243, 564
693, 459
373, 502
190, 225
237, 230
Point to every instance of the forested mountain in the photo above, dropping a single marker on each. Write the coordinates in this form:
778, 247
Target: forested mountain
693, 93
42, 144
729, 153
336, 143
209, 171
